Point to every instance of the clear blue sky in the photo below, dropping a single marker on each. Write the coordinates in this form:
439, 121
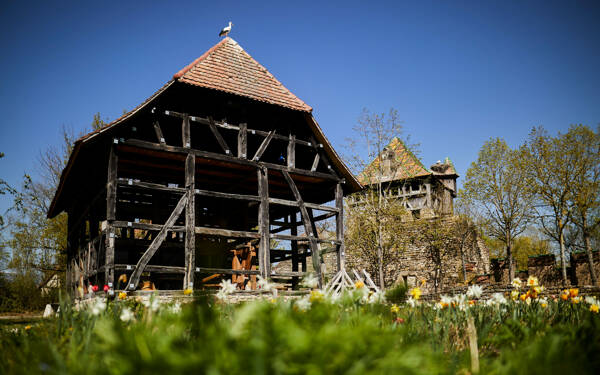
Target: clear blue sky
457, 72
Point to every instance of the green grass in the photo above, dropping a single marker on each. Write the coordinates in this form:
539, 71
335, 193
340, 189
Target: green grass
266, 337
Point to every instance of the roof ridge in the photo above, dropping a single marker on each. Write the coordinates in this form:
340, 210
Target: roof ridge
189, 66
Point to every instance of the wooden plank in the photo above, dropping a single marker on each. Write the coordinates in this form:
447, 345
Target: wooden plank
339, 225
217, 135
226, 232
160, 237
158, 132
152, 268
315, 163
190, 222
146, 226
111, 206
227, 271
263, 146
319, 207
294, 246
214, 156
287, 237
217, 194
150, 186
243, 141
186, 136
291, 152
308, 228
288, 274
264, 258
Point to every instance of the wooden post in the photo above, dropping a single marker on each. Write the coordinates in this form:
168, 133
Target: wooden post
243, 141
291, 152
339, 225
111, 207
294, 232
264, 256
190, 223
308, 227
428, 197
185, 131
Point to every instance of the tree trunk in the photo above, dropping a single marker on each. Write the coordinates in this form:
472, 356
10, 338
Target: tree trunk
563, 260
588, 250
509, 257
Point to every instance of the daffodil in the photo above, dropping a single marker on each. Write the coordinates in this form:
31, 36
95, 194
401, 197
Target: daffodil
474, 291
302, 304
316, 295
188, 291
395, 309
576, 300
415, 293
310, 281
127, 315
573, 292
359, 284
532, 281
122, 295
516, 283
27, 327
564, 295
594, 308
514, 295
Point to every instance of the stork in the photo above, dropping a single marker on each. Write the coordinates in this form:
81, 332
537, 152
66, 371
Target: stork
226, 30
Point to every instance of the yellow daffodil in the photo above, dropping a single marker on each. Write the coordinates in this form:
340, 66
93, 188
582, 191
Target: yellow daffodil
573, 292
514, 295
395, 309
576, 300
532, 281
122, 295
188, 291
564, 295
594, 308
544, 304
523, 297
415, 293
516, 283
359, 284
27, 327
315, 295
538, 289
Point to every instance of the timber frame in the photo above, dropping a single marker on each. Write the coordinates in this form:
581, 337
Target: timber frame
182, 200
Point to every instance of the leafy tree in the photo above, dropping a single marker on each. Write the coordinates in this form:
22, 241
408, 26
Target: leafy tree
583, 145
551, 167
495, 184
524, 247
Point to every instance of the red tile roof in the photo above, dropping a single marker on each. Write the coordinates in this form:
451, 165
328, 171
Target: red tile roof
227, 67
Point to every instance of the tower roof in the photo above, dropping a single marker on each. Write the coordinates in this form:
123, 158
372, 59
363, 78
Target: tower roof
227, 67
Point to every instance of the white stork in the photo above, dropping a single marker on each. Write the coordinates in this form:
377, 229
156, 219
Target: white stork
226, 30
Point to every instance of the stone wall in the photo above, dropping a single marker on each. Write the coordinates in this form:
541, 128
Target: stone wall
581, 268
430, 256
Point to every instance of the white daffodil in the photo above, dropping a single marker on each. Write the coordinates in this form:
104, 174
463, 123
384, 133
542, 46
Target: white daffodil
227, 287
516, 283
376, 297
175, 308
264, 284
411, 302
310, 281
221, 295
98, 307
302, 304
591, 300
152, 304
127, 315
498, 299
474, 291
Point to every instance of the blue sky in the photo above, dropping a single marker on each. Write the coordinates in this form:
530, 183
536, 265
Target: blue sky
457, 72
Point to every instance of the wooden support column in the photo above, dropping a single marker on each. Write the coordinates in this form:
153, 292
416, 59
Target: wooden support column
159, 133
111, 207
295, 260
291, 152
190, 222
308, 227
264, 256
339, 226
243, 141
186, 132
428, 189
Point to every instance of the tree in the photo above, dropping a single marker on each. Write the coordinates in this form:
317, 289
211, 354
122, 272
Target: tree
525, 246
495, 184
372, 219
550, 171
583, 145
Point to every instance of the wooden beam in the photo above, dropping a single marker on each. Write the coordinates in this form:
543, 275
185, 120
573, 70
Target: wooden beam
291, 152
264, 261
160, 237
190, 222
243, 141
339, 226
152, 268
217, 194
150, 186
315, 163
159, 133
294, 243
111, 206
186, 136
287, 237
308, 227
319, 207
231, 159
146, 226
226, 232
227, 271
217, 135
263, 146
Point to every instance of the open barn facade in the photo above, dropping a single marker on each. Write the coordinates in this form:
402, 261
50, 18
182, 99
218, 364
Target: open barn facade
199, 182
